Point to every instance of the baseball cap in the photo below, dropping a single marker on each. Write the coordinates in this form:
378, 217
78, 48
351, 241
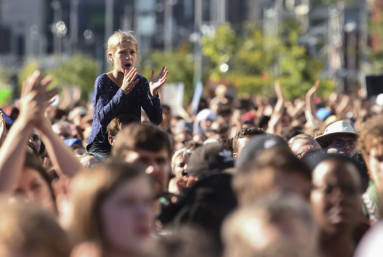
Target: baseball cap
70, 142
248, 117
210, 159
256, 145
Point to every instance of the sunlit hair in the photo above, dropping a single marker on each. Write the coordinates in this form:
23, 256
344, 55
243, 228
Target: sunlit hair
26, 228
180, 153
371, 135
241, 230
90, 188
116, 40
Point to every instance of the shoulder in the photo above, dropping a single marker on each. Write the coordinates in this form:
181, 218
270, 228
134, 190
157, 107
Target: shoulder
142, 79
102, 79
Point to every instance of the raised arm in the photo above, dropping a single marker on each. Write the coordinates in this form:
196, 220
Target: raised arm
62, 157
310, 105
12, 152
278, 110
150, 101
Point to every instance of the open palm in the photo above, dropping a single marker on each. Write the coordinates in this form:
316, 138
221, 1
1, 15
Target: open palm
157, 82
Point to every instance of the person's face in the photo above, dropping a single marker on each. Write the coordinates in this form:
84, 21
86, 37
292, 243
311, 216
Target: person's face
346, 149
125, 56
375, 165
304, 147
64, 132
336, 197
241, 144
36, 140
90, 161
157, 165
286, 122
205, 124
180, 166
199, 138
127, 215
32, 188
181, 139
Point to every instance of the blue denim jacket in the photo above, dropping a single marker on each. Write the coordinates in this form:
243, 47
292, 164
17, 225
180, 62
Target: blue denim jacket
110, 101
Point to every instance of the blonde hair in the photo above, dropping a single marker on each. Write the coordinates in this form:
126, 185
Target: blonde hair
116, 39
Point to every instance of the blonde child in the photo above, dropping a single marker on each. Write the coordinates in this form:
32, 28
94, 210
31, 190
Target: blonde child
123, 91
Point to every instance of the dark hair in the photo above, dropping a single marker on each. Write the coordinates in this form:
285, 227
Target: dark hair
246, 133
121, 120
144, 136
228, 142
262, 121
224, 110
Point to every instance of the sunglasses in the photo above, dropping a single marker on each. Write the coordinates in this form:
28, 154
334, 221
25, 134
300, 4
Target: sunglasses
341, 142
64, 135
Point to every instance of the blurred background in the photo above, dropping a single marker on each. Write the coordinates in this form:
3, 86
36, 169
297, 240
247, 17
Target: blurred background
244, 44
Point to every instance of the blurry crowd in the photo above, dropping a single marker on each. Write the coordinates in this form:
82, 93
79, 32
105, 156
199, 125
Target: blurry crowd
243, 177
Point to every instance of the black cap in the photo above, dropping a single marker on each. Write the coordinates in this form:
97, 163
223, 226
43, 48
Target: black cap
256, 145
209, 159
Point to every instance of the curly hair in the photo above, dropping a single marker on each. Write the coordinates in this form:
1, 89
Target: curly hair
246, 132
371, 135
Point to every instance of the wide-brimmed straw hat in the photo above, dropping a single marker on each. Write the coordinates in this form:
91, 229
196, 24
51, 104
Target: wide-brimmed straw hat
337, 128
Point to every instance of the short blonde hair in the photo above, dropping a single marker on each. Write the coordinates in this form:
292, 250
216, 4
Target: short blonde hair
117, 38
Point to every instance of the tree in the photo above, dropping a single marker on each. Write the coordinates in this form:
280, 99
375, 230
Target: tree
78, 71
256, 60
180, 66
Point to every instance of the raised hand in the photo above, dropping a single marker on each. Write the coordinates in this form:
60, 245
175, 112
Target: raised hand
157, 82
34, 98
129, 81
313, 90
278, 90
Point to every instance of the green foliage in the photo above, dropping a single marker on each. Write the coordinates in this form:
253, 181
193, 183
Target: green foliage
250, 56
78, 71
375, 28
180, 66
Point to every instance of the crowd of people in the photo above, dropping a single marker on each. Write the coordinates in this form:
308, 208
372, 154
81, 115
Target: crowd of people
125, 176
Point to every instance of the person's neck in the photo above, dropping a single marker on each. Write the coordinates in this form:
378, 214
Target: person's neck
337, 245
117, 77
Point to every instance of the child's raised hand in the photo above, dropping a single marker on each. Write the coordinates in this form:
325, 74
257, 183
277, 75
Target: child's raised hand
129, 81
156, 83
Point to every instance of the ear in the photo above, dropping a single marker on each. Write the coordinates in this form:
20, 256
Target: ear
110, 57
111, 140
235, 155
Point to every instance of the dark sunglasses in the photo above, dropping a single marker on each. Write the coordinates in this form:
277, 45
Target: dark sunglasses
341, 142
64, 135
